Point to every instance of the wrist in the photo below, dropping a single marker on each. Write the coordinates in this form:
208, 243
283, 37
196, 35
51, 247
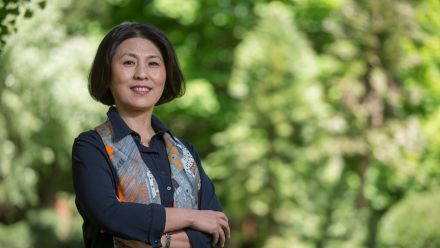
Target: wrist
166, 240
191, 217
163, 240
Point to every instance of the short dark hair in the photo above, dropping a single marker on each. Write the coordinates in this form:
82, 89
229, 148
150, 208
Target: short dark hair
101, 71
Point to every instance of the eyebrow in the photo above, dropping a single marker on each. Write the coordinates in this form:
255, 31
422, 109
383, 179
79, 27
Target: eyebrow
134, 55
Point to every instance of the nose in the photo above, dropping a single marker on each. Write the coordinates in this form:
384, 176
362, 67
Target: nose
141, 72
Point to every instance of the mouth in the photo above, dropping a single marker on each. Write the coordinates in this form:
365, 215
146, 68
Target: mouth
141, 89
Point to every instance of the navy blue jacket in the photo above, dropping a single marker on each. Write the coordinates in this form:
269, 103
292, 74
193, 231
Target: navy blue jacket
95, 185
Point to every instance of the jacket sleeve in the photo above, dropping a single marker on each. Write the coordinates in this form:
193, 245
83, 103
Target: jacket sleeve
207, 201
96, 197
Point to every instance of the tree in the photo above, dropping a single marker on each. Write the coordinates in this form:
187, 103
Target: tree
338, 149
10, 11
42, 87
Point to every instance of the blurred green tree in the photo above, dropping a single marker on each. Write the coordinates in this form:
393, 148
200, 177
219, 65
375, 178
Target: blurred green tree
325, 141
413, 222
42, 86
11, 10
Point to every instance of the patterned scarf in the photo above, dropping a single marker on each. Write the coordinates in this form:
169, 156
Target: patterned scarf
137, 183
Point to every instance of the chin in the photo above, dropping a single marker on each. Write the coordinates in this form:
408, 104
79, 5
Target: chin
143, 107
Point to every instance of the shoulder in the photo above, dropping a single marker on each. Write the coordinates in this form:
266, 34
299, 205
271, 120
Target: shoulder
88, 149
88, 139
88, 136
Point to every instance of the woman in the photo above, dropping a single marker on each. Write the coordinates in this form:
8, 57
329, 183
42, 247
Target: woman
136, 184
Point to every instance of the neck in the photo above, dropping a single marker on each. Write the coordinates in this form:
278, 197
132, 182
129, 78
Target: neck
138, 121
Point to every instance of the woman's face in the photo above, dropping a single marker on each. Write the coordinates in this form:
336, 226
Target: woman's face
138, 75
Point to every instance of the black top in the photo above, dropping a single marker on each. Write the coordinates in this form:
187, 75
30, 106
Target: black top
95, 185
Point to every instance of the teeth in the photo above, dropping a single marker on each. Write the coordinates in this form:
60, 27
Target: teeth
141, 89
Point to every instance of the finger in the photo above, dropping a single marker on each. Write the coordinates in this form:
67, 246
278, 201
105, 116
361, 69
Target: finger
226, 229
215, 237
223, 216
222, 237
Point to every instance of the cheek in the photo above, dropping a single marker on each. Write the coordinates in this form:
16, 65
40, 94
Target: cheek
119, 73
119, 76
159, 75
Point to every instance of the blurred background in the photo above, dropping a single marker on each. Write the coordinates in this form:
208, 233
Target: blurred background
317, 120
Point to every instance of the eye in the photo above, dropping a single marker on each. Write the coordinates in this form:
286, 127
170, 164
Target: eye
128, 62
153, 63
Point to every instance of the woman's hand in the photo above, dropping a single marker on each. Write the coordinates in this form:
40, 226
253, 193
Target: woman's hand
214, 223
208, 221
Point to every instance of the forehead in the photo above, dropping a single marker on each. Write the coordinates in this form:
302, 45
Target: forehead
138, 46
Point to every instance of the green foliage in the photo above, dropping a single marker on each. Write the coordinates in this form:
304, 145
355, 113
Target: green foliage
344, 149
42, 87
10, 11
413, 222
17, 235
39, 130
274, 79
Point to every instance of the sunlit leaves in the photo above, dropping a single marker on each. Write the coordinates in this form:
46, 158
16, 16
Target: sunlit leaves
184, 11
11, 11
43, 106
413, 222
200, 98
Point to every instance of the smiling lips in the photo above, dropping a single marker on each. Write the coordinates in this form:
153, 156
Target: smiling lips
141, 89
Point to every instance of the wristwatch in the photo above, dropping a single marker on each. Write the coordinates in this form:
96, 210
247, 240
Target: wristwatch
167, 240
